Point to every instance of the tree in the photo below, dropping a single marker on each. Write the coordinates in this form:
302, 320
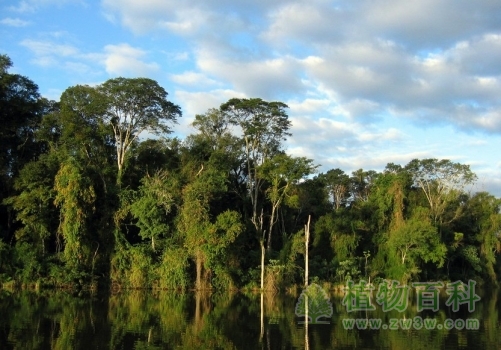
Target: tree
282, 172
133, 106
214, 126
151, 156
482, 222
389, 197
78, 129
21, 109
221, 147
34, 203
206, 239
361, 183
337, 184
442, 182
417, 241
153, 203
75, 196
264, 125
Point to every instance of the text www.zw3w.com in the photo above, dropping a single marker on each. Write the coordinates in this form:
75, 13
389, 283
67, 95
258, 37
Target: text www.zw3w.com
410, 323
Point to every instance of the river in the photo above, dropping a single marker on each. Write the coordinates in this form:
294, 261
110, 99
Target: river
171, 320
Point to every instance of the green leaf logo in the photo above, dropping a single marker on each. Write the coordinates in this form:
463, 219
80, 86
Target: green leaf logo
313, 304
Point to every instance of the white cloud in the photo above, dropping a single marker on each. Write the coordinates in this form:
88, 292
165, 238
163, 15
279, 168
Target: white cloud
265, 78
391, 134
14, 22
304, 21
179, 56
47, 48
432, 62
30, 6
308, 106
23, 7
193, 79
489, 182
126, 60
117, 60
357, 75
148, 15
430, 24
198, 103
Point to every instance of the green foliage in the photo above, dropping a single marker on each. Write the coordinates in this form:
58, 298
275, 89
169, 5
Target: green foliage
75, 197
342, 237
484, 218
84, 197
337, 185
34, 203
21, 110
417, 239
28, 263
134, 267
207, 240
5, 262
348, 270
172, 271
470, 254
152, 205
389, 197
442, 182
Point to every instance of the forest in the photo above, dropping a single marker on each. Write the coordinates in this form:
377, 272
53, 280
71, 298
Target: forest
94, 193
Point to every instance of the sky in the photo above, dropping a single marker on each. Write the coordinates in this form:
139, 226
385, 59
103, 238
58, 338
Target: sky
367, 82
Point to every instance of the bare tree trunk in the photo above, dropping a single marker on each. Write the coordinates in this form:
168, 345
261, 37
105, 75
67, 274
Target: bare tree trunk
261, 334
306, 242
263, 253
306, 335
272, 222
199, 262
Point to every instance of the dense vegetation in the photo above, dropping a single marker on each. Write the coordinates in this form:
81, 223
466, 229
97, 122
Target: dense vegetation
86, 201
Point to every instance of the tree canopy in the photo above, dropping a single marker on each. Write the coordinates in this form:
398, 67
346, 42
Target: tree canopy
95, 191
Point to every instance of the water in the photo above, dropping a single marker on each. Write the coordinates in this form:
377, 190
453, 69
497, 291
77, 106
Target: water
169, 320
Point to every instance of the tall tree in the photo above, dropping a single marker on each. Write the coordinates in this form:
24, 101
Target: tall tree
75, 196
282, 172
78, 129
337, 184
133, 106
264, 126
33, 204
389, 199
442, 182
21, 109
205, 238
416, 241
152, 205
360, 184
481, 226
222, 147
214, 126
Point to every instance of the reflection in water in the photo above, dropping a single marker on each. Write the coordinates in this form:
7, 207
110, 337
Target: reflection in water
168, 320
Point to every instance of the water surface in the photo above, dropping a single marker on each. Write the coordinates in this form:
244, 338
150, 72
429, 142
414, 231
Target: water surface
170, 320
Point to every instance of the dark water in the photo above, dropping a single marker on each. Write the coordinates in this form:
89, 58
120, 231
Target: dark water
169, 320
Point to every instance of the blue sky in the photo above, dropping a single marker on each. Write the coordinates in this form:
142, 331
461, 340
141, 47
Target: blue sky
368, 82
